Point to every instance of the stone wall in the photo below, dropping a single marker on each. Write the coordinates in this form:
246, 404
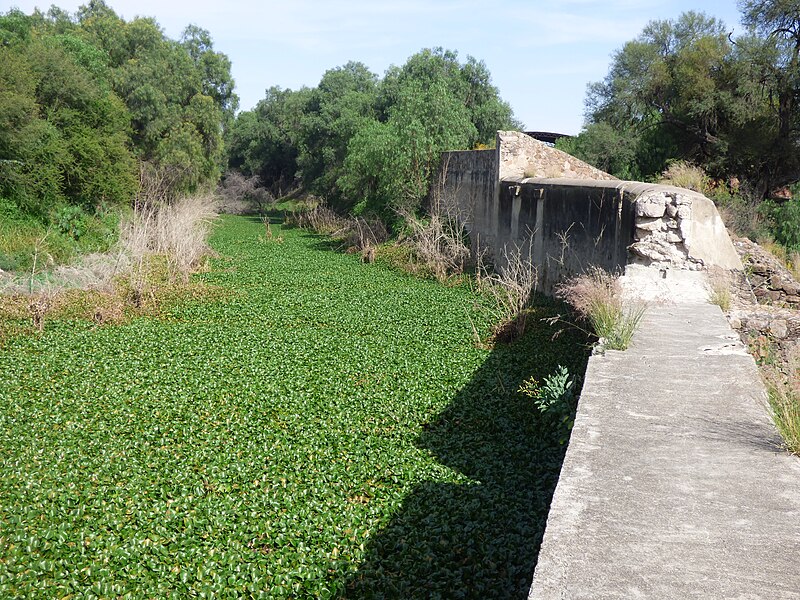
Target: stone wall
521, 156
567, 225
465, 188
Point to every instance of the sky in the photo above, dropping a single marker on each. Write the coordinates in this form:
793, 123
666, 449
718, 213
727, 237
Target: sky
541, 54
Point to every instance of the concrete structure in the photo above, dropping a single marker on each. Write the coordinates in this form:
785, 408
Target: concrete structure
567, 215
674, 484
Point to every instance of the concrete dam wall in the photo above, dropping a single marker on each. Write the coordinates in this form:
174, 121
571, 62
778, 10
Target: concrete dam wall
565, 216
674, 484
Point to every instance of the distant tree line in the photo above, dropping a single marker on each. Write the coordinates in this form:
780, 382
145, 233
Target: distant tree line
87, 99
367, 144
687, 89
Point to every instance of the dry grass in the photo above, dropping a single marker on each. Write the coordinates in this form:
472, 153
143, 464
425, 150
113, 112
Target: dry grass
596, 297
160, 245
720, 289
511, 291
686, 175
178, 231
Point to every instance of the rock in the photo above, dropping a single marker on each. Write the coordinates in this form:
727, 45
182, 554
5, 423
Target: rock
775, 282
651, 207
779, 329
774, 295
650, 224
672, 210
793, 299
791, 288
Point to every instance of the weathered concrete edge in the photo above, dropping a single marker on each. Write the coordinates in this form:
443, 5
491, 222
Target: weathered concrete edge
763, 551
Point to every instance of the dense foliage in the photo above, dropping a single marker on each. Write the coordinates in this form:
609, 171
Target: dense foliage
325, 429
83, 98
367, 144
686, 89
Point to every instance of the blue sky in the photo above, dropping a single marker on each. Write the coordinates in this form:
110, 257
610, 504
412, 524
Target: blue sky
541, 54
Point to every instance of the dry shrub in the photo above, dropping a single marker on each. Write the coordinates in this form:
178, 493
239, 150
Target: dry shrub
596, 297
323, 220
511, 291
177, 231
686, 175
239, 194
362, 235
440, 243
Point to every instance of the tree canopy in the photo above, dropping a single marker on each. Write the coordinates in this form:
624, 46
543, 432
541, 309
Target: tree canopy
365, 143
83, 98
686, 89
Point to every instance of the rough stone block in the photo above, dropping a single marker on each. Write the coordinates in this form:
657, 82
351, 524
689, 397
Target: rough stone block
779, 328
650, 224
651, 206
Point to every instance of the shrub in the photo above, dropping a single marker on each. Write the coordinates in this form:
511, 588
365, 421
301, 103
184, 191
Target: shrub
785, 222
686, 175
596, 297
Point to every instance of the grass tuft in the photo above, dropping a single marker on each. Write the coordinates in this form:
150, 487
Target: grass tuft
596, 297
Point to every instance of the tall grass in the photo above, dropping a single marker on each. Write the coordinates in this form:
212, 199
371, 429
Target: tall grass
177, 231
511, 290
783, 387
596, 296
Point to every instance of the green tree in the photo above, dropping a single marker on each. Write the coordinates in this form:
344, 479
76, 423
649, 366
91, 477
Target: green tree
684, 89
64, 132
335, 110
265, 141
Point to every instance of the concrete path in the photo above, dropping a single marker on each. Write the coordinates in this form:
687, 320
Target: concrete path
674, 485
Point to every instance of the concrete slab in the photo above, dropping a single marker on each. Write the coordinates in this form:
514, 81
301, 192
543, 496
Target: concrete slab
674, 484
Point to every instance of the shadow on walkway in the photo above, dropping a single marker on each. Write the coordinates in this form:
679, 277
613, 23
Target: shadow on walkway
479, 539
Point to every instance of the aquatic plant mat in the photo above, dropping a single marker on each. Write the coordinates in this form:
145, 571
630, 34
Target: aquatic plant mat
326, 429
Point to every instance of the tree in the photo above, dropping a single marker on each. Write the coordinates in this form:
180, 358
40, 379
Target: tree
264, 142
64, 131
366, 144
334, 112
774, 50
389, 165
685, 90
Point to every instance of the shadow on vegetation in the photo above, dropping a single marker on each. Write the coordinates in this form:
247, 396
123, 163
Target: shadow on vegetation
479, 539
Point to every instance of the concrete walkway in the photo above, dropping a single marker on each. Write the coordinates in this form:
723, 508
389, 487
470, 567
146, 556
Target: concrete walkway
674, 484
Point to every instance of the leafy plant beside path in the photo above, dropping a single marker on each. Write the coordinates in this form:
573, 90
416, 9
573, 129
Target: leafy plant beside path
326, 429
